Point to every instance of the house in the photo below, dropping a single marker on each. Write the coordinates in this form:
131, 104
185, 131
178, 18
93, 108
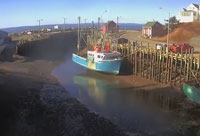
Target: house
153, 29
29, 33
3, 36
110, 27
190, 14
56, 27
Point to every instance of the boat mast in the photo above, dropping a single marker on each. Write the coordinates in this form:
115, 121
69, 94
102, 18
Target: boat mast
78, 45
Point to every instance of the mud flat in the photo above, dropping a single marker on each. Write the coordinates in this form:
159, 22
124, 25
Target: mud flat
33, 103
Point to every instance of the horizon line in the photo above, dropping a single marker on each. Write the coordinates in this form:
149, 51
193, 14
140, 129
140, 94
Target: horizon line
60, 24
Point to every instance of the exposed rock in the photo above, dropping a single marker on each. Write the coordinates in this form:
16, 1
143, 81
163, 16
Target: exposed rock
3, 37
198, 133
7, 51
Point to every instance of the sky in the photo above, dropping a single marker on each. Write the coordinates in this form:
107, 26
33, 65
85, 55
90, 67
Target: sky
15, 13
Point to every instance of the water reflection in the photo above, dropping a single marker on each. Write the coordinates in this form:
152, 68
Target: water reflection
145, 112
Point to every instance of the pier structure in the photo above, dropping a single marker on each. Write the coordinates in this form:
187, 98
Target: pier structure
159, 65
145, 60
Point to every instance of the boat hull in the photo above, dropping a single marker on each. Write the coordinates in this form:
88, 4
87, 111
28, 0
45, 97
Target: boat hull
192, 92
111, 67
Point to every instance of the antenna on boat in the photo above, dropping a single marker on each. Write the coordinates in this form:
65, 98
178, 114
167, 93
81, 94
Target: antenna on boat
93, 29
78, 45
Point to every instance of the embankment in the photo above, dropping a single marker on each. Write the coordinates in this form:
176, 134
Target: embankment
183, 33
55, 47
33, 103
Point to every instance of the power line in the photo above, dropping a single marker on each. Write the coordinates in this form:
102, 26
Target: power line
64, 20
39, 21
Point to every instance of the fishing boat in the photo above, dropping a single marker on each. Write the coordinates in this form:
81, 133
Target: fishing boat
100, 58
108, 62
192, 92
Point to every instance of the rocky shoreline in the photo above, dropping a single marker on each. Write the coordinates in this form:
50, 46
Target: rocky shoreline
34, 104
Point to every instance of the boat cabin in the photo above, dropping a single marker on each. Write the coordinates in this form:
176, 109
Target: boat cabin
94, 56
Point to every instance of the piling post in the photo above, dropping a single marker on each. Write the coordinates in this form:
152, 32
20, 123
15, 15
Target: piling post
143, 67
166, 66
176, 60
188, 66
185, 66
140, 66
191, 62
160, 65
151, 66
181, 67
163, 62
147, 62
198, 66
135, 60
171, 68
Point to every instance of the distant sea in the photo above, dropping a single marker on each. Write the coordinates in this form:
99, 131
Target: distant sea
123, 26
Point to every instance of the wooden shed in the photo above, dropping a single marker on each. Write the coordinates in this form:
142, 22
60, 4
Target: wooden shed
110, 27
153, 29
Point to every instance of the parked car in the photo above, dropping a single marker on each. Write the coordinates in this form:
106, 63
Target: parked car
177, 47
160, 46
122, 40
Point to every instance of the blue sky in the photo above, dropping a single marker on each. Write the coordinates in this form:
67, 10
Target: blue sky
26, 12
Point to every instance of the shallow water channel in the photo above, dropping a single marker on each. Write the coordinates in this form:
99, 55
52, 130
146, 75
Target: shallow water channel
136, 111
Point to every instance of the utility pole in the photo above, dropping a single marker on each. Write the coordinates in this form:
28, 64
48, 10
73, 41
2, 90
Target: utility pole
102, 16
85, 24
117, 25
168, 31
92, 32
85, 21
39, 21
78, 45
98, 22
92, 24
64, 20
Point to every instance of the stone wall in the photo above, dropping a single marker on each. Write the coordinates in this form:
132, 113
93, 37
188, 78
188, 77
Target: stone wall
51, 48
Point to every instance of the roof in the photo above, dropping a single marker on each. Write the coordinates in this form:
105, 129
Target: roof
109, 23
151, 24
196, 5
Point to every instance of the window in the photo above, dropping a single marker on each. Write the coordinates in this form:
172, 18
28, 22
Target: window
186, 13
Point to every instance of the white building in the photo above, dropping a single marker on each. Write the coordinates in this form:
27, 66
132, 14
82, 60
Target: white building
190, 14
56, 27
29, 33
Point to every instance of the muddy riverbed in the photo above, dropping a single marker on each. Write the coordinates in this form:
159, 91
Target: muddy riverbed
137, 105
46, 93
